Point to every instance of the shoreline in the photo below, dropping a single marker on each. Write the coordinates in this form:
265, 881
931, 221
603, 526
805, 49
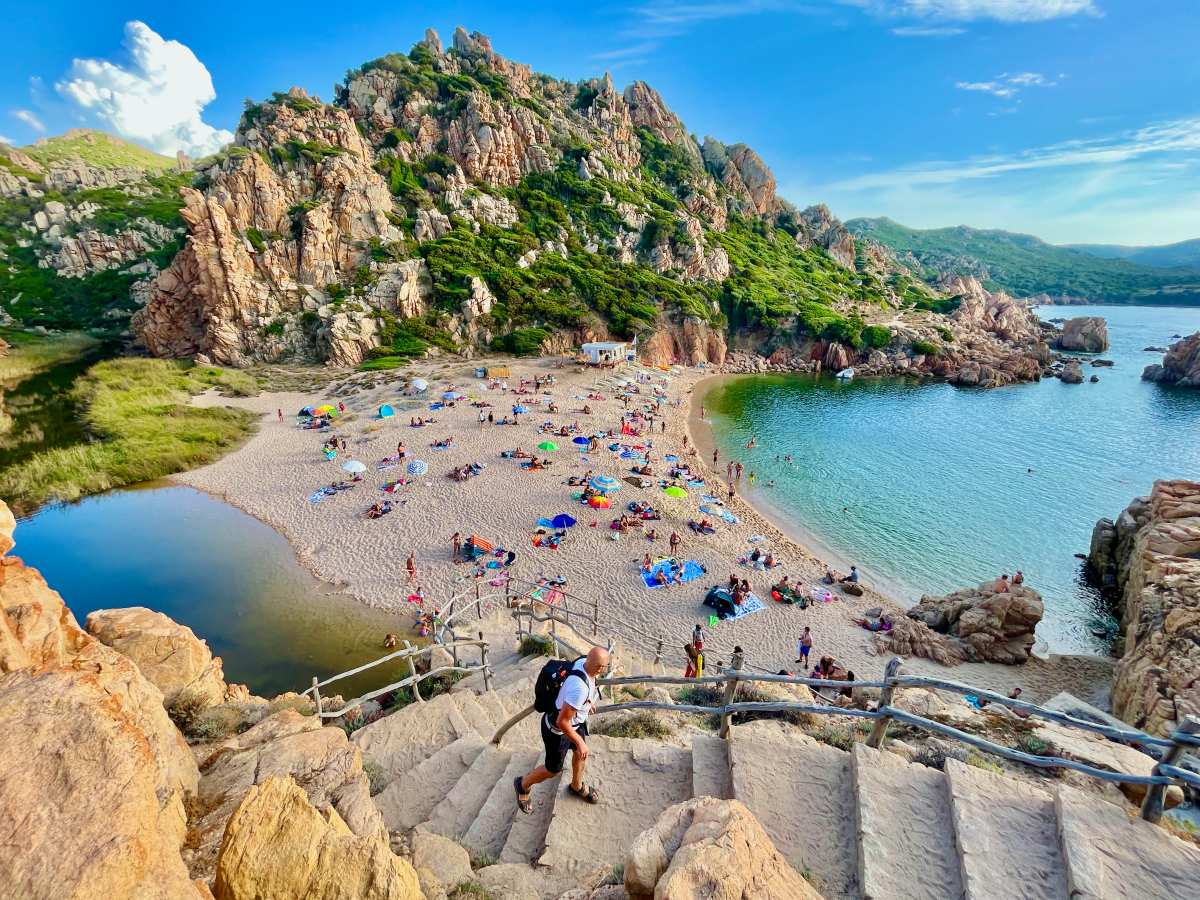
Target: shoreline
270, 477
701, 434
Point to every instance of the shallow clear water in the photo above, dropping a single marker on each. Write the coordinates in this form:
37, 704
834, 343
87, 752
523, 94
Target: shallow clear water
232, 579
928, 487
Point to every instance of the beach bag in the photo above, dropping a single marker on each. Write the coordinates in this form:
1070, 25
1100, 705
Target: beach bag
550, 681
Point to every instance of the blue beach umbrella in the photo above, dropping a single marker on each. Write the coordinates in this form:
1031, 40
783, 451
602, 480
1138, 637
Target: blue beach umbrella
520, 408
605, 484
562, 520
417, 467
386, 411
581, 440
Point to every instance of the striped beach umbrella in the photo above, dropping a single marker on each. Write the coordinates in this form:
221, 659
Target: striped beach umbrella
417, 467
605, 484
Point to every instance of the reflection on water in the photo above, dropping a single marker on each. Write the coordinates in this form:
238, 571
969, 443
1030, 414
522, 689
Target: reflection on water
230, 578
930, 487
40, 413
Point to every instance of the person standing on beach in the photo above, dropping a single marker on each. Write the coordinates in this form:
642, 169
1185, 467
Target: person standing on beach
456, 545
482, 418
728, 471
675, 539
737, 467
716, 453
411, 565
279, 412
804, 646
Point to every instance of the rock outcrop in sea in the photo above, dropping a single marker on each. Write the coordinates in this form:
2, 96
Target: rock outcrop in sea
1148, 560
1086, 334
1180, 365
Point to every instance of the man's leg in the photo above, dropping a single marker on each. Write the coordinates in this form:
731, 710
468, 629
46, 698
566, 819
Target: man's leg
537, 776
577, 764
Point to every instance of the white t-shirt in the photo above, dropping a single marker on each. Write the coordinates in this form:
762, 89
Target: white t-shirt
579, 694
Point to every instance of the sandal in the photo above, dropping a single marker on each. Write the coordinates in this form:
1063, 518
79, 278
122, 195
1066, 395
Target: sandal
587, 793
524, 800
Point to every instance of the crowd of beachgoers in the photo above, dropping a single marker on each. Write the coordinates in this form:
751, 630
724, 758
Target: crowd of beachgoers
548, 476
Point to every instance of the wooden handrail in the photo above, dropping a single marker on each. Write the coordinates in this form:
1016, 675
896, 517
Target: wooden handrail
403, 653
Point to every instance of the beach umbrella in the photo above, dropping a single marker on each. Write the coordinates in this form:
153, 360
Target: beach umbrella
581, 440
307, 411
547, 445
417, 385
353, 466
327, 407
417, 467
562, 520
674, 491
605, 484
385, 411
600, 503
451, 395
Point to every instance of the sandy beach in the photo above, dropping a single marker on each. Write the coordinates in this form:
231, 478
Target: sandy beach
273, 475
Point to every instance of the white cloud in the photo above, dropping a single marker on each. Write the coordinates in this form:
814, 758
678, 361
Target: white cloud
156, 100
1007, 85
927, 31
1007, 11
5, 139
29, 118
624, 53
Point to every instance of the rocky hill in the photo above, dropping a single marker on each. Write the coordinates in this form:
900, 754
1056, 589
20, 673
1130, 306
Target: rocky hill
449, 197
1026, 266
1166, 256
86, 221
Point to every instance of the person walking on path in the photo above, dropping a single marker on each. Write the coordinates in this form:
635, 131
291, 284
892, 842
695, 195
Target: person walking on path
456, 545
411, 565
567, 731
804, 647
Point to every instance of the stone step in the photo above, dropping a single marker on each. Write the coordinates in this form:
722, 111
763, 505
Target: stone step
906, 848
473, 712
1007, 836
495, 710
527, 833
401, 740
487, 833
637, 780
1112, 855
800, 791
458, 809
710, 767
410, 798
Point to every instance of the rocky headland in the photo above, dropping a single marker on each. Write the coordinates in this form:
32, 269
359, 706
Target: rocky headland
1148, 561
1180, 365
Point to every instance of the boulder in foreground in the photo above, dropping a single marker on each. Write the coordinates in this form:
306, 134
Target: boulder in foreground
712, 849
278, 845
991, 625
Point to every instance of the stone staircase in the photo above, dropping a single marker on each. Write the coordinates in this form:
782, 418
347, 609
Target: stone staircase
859, 824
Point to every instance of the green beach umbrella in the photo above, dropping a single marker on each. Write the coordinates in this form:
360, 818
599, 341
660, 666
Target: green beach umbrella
547, 445
675, 492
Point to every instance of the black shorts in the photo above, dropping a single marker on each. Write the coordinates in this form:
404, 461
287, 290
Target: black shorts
557, 745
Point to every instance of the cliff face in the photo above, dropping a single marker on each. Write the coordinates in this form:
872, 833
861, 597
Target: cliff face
1149, 559
1180, 365
450, 198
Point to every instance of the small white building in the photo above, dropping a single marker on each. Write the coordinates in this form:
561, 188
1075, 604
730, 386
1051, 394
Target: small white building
605, 353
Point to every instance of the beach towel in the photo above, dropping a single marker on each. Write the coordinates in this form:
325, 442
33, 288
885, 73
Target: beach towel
691, 571
385, 465
316, 496
727, 516
750, 605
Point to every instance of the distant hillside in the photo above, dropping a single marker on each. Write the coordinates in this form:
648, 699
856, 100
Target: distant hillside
1024, 265
1185, 254
96, 148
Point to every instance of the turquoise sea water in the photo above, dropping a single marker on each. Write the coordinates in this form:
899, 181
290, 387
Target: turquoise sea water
232, 579
928, 487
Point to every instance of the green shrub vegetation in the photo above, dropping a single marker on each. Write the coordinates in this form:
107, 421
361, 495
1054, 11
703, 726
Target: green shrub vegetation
876, 336
30, 353
97, 148
141, 427
925, 348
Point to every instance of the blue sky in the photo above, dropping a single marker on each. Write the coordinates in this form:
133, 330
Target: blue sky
1076, 120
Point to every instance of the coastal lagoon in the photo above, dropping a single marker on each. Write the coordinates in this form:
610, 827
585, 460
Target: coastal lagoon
929, 487
233, 580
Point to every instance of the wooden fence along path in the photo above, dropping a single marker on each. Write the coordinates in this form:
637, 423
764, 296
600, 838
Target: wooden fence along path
529, 611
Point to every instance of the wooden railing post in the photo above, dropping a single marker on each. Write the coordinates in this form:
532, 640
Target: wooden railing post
483, 661
1152, 805
879, 732
553, 633
658, 653
478, 605
612, 691
412, 669
731, 684
595, 617
316, 695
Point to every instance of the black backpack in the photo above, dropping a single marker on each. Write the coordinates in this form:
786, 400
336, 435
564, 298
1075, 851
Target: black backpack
550, 681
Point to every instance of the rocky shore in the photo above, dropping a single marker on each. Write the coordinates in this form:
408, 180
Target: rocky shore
1180, 365
1148, 561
